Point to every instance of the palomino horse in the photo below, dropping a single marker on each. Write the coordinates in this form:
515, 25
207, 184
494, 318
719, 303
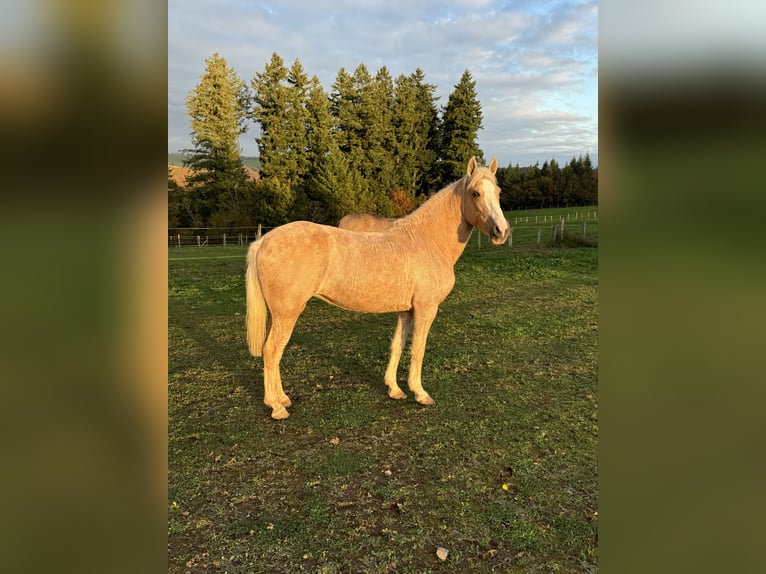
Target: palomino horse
407, 268
365, 222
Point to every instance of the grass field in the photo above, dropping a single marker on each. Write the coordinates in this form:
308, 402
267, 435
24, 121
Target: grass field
501, 471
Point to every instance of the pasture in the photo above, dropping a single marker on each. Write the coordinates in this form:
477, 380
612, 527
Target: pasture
501, 471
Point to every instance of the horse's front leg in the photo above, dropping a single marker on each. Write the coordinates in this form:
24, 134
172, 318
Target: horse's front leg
403, 325
423, 319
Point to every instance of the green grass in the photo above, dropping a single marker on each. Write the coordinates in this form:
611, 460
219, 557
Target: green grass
580, 226
511, 364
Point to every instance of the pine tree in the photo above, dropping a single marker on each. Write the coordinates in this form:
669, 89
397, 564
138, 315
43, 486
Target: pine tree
363, 110
407, 136
380, 129
379, 168
428, 125
416, 127
218, 108
297, 120
461, 121
343, 103
278, 109
319, 123
337, 189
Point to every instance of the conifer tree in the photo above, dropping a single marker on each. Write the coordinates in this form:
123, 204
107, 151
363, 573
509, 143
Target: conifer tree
319, 123
218, 108
337, 189
379, 169
461, 121
344, 101
407, 135
297, 122
416, 125
279, 95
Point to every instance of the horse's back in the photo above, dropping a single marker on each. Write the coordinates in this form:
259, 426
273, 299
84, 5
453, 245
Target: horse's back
365, 222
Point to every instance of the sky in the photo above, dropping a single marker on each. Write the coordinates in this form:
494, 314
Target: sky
535, 62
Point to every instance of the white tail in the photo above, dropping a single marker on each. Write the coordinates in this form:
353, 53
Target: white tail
256, 305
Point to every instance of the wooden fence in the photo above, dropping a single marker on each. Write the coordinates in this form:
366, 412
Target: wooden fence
526, 231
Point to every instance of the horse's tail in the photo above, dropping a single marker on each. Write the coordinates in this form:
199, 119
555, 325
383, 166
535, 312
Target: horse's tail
256, 304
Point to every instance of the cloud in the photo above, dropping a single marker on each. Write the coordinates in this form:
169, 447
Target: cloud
534, 62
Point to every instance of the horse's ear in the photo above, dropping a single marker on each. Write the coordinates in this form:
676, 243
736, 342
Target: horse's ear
472, 165
493, 165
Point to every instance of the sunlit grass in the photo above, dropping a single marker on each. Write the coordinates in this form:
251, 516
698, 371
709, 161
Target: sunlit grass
501, 471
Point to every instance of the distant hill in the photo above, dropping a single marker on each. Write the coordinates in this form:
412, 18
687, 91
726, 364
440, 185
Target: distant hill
177, 159
179, 173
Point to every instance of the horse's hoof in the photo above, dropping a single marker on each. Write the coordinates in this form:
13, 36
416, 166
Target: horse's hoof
424, 400
279, 413
397, 395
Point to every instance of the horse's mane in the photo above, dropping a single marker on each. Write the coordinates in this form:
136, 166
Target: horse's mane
435, 202
440, 198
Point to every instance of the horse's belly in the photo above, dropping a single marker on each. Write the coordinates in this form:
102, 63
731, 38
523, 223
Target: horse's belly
366, 301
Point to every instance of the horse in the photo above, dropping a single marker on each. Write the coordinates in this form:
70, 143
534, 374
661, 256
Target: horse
407, 268
365, 222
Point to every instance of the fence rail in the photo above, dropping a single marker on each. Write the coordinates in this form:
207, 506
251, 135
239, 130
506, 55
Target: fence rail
526, 230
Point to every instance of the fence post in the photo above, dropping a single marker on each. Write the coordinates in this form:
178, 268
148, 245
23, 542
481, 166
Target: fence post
198, 241
510, 238
539, 233
224, 239
258, 233
179, 240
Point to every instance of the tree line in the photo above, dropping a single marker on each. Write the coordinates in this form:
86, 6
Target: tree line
533, 187
373, 144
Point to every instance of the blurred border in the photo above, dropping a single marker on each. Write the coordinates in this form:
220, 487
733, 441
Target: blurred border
83, 312
83, 95
682, 142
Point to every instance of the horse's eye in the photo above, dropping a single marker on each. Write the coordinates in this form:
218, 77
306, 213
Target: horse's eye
476, 194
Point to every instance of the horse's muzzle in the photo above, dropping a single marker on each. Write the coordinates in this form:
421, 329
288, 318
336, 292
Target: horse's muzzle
499, 232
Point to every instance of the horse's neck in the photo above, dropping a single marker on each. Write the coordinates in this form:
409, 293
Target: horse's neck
440, 222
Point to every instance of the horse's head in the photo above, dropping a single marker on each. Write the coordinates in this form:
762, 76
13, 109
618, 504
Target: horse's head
481, 201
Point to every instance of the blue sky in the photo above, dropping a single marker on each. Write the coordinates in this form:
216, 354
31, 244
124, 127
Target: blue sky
535, 62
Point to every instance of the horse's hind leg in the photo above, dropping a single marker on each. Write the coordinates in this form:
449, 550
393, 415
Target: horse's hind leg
403, 324
282, 325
